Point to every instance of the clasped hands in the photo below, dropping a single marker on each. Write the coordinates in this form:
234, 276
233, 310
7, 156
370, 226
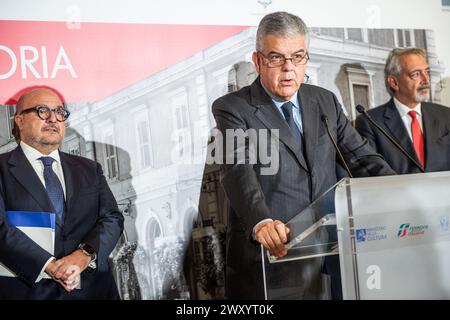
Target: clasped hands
272, 235
67, 270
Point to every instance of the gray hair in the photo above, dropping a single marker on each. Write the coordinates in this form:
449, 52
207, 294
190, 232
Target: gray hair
280, 24
392, 66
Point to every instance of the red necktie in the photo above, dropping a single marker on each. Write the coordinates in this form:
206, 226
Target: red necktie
417, 138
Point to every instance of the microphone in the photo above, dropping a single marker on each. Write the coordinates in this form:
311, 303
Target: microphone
363, 111
325, 122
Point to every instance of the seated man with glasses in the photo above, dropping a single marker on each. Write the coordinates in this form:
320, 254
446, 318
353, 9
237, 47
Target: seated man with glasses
36, 179
280, 103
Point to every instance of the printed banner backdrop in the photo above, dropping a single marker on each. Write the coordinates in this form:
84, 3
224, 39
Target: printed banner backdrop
104, 57
140, 96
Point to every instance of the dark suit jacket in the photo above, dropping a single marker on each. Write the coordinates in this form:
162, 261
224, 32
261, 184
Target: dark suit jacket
300, 179
91, 216
436, 124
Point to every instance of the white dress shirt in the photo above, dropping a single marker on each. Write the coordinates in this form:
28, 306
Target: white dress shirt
406, 118
33, 156
295, 110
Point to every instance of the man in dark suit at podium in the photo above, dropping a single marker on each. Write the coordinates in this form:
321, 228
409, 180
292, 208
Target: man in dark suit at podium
261, 204
420, 127
37, 178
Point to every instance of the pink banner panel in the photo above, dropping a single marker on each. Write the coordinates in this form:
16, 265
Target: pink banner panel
90, 63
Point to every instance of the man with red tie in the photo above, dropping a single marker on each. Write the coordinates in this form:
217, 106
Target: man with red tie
420, 127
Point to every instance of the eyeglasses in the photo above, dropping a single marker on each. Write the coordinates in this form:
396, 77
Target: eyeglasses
44, 112
277, 60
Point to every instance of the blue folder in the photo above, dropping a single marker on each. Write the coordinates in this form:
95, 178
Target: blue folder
31, 219
38, 226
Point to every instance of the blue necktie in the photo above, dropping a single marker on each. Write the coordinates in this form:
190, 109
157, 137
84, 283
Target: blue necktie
54, 189
287, 111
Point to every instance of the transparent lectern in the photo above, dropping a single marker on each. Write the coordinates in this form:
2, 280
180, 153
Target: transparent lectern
389, 236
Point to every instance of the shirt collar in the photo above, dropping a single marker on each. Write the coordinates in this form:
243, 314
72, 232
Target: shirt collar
403, 109
33, 155
279, 102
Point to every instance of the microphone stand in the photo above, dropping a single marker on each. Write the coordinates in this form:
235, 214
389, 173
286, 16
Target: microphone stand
361, 110
325, 122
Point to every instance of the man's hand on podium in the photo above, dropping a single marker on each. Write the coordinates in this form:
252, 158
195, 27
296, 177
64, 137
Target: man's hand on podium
272, 235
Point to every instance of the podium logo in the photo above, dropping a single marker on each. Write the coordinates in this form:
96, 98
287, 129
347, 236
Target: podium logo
374, 278
403, 230
360, 235
371, 234
406, 230
444, 223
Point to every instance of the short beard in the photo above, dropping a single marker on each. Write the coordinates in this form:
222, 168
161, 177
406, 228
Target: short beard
50, 143
420, 97
45, 144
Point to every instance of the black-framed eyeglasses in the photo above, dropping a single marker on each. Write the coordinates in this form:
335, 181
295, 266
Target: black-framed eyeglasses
44, 112
277, 60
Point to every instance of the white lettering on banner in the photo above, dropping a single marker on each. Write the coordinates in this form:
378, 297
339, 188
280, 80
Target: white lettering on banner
13, 62
44, 62
25, 62
374, 280
29, 55
63, 55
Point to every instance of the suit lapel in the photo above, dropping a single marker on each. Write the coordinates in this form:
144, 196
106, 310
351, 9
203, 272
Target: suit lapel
310, 122
432, 132
394, 123
24, 173
71, 180
268, 114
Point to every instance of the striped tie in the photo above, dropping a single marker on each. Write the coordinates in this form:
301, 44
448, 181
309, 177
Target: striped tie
287, 112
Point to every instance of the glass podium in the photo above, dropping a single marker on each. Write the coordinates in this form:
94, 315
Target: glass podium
312, 241
368, 238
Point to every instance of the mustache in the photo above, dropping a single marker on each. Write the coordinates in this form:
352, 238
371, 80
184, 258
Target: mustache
424, 88
51, 126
